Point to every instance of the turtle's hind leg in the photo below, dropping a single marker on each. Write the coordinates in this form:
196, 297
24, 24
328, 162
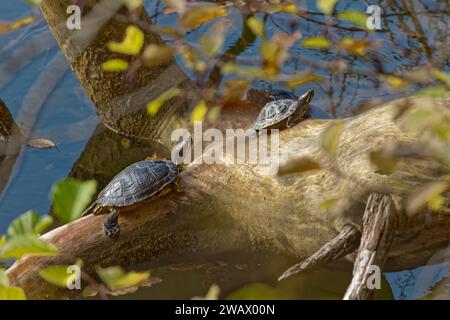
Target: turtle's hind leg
111, 224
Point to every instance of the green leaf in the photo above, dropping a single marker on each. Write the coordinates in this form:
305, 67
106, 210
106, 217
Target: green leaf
326, 6
433, 91
115, 65
328, 203
58, 275
154, 106
2, 241
302, 78
329, 138
4, 281
27, 244
35, 2
29, 223
316, 43
357, 18
256, 25
12, 293
131, 44
257, 291
298, 166
116, 278
384, 161
71, 197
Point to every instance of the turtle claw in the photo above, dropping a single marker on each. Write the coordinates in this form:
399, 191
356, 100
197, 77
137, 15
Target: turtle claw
179, 187
111, 224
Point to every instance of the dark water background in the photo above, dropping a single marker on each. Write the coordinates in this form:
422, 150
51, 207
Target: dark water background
30, 60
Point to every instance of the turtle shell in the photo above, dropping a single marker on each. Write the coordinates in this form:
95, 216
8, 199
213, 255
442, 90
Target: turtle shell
275, 112
137, 182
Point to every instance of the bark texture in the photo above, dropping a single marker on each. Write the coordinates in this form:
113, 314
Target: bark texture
380, 223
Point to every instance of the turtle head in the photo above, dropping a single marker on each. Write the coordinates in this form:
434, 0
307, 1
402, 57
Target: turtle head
305, 98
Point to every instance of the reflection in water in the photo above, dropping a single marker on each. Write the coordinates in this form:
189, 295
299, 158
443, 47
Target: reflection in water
414, 34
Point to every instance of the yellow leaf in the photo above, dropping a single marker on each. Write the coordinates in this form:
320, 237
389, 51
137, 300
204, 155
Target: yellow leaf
394, 81
326, 6
155, 55
199, 112
271, 54
289, 8
384, 161
154, 106
131, 44
354, 46
234, 89
298, 165
134, 4
12, 293
316, 43
357, 18
302, 78
230, 67
427, 195
256, 25
212, 42
192, 59
441, 76
197, 15
214, 113
9, 26
115, 65
329, 138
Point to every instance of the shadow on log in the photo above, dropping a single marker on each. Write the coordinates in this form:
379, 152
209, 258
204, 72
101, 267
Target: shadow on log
241, 208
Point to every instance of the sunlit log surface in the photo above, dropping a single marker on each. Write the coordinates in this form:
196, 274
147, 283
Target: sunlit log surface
239, 208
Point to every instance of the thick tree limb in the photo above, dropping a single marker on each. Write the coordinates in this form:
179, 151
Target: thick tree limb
345, 242
380, 223
241, 208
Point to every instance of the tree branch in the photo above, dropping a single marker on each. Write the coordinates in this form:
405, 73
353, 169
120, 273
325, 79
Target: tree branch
380, 222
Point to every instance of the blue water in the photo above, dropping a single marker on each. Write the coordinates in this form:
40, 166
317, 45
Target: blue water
68, 118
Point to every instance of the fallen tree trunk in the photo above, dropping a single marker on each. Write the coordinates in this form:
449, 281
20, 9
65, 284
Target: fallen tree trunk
240, 208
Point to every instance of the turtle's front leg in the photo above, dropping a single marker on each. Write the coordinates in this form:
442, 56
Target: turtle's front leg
111, 224
178, 186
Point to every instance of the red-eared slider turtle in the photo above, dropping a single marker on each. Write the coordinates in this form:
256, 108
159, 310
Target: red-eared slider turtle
284, 113
144, 180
